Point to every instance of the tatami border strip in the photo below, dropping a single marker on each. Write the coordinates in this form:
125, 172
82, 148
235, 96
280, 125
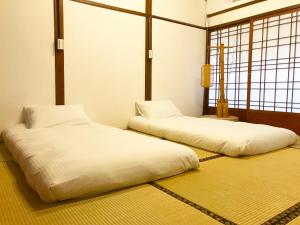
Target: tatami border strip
192, 204
286, 216
5, 161
211, 158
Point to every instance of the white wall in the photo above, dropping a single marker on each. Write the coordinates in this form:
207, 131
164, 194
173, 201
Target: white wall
104, 62
26, 57
106, 73
179, 53
189, 11
269, 5
104, 57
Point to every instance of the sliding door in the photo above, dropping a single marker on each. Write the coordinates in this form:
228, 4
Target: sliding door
275, 79
262, 68
235, 64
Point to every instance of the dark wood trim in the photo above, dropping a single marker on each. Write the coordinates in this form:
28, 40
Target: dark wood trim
205, 102
206, 211
295, 53
114, 8
207, 61
148, 46
250, 64
211, 158
178, 22
255, 17
276, 12
290, 56
235, 8
288, 114
278, 119
277, 60
59, 54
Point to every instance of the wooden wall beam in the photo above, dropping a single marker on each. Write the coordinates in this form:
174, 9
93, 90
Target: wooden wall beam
178, 22
255, 17
105, 6
59, 54
207, 61
148, 47
235, 8
250, 51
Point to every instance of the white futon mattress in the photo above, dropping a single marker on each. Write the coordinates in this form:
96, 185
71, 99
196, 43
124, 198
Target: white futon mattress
221, 136
67, 162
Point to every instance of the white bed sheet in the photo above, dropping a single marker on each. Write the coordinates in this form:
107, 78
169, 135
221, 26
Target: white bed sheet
221, 136
67, 162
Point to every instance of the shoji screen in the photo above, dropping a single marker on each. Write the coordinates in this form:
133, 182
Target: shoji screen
235, 64
275, 80
104, 61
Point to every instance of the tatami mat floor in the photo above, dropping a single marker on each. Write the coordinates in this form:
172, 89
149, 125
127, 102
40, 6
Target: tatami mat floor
140, 205
250, 190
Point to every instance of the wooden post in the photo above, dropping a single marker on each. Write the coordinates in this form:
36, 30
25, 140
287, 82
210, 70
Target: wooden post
222, 92
222, 104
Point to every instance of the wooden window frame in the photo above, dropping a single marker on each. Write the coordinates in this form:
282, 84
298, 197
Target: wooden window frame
228, 33
281, 119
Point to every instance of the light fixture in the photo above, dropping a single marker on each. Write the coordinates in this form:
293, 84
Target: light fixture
207, 80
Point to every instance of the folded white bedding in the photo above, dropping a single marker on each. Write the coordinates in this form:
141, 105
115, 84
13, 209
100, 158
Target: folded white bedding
221, 136
67, 162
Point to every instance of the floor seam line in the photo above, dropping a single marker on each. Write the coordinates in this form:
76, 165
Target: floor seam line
210, 158
192, 204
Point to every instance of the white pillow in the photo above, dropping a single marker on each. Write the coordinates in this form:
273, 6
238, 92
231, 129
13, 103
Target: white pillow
157, 109
49, 116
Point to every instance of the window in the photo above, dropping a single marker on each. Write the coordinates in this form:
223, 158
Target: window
274, 43
275, 73
235, 64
